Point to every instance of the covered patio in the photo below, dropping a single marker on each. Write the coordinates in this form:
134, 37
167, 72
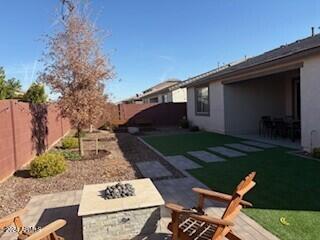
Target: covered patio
265, 108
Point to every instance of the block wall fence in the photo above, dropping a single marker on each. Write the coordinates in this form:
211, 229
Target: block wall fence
163, 114
25, 129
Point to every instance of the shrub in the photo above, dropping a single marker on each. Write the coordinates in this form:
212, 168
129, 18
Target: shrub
194, 129
316, 152
184, 123
71, 155
48, 164
70, 142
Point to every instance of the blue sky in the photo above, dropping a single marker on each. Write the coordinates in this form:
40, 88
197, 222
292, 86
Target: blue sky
154, 40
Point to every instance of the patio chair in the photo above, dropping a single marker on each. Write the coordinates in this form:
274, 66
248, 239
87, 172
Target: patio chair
295, 130
188, 224
280, 127
47, 232
266, 126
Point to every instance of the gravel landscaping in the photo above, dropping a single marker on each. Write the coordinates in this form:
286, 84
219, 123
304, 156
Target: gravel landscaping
125, 150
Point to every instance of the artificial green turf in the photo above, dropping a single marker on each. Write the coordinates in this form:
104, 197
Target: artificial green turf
287, 185
182, 143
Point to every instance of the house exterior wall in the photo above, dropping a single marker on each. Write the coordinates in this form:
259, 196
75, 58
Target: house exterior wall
215, 121
179, 95
150, 98
288, 97
245, 103
175, 96
310, 103
236, 108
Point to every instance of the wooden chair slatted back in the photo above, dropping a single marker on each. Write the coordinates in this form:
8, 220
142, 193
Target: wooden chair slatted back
234, 206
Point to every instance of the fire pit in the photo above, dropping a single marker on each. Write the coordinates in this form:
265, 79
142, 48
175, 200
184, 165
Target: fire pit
119, 190
120, 210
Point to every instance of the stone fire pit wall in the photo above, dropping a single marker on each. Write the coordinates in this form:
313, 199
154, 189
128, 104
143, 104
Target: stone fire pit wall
121, 218
121, 225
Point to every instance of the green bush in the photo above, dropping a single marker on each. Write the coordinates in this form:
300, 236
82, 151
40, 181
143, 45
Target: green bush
316, 152
184, 123
71, 155
194, 128
70, 142
48, 164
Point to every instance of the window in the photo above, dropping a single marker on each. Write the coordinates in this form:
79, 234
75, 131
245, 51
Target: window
202, 100
153, 100
164, 98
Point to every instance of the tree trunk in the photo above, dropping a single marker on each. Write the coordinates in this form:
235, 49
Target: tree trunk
91, 128
97, 146
80, 142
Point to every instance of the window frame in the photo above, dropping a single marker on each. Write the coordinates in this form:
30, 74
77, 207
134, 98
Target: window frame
197, 113
151, 100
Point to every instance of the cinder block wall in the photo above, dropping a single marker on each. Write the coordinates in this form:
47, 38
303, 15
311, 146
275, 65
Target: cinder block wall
18, 133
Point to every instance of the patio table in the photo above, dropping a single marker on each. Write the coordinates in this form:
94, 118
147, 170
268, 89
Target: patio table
280, 127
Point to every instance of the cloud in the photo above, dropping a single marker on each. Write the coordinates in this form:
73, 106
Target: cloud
25, 72
166, 73
167, 58
169, 68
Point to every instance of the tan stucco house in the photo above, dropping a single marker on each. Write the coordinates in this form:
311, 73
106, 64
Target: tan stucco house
165, 92
282, 82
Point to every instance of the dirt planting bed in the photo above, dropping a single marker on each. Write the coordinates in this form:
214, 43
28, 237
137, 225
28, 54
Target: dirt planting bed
118, 154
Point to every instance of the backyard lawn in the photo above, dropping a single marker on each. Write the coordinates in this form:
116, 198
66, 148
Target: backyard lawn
287, 185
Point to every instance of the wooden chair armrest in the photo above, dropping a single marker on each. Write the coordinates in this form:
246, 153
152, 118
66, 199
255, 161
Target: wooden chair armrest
47, 230
10, 218
218, 196
179, 209
212, 220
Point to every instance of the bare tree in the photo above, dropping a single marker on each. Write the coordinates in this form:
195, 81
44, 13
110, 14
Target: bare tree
75, 67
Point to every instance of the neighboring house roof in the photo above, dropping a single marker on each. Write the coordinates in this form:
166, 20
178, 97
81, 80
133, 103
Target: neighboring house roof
161, 87
298, 47
131, 99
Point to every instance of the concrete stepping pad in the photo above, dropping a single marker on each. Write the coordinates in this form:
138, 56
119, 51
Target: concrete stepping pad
206, 156
153, 169
259, 144
182, 162
243, 147
227, 152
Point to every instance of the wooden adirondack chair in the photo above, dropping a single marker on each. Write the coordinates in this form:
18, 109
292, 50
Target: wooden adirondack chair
46, 233
187, 224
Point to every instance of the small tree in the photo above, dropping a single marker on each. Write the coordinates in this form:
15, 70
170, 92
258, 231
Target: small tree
75, 67
8, 88
3, 92
35, 94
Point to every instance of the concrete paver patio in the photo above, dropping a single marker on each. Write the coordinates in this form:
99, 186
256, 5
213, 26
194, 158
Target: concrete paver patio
182, 162
44, 209
206, 156
153, 169
243, 147
227, 152
259, 144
